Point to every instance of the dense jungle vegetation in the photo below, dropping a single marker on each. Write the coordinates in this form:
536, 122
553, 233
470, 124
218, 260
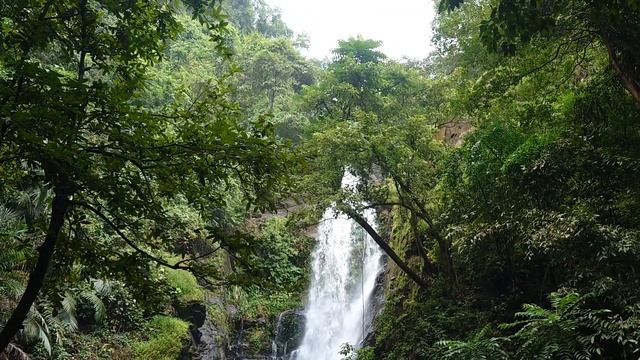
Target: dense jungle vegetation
164, 159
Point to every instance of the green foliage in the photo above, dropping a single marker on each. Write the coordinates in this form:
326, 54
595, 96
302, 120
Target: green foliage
504, 169
259, 340
514, 24
264, 304
97, 345
11, 274
272, 72
139, 156
257, 16
411, 325
366, 353
568, 330
281, 270
538, 196
282, 255
360, 50
50, 325
124, 312
118, 141
53, 318
185, 284
350, 353
478, 347
571, 330
347, 351
164, 341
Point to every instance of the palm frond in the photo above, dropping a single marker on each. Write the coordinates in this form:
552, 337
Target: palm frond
480, 346
99, 309
103, 287
36, 328
8, 217
11, 259
14, 352
66, 316
12, 285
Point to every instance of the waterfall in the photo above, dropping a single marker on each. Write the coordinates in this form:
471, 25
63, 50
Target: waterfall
345, 264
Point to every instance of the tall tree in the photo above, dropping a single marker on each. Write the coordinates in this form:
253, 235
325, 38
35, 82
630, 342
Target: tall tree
72, 72
369, 118
575, 23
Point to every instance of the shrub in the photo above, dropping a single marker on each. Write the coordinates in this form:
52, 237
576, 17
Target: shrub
185, 284
167, 336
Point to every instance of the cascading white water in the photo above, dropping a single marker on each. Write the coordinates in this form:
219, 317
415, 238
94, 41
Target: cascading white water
345, 264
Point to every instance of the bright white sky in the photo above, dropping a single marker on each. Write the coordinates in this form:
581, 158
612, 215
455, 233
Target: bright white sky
404, 26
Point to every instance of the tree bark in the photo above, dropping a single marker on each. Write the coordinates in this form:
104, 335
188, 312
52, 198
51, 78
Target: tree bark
428, 268
434, 231
59, 208
443, 244
420, 210
632, 85
387, 249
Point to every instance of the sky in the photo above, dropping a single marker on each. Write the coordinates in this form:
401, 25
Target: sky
404, 26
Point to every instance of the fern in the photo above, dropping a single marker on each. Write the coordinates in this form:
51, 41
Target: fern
99, 309
8, 218
49, 325
570, 331
12, 274
478, 347
36, 328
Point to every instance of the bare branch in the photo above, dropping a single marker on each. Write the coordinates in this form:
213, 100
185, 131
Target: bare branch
208, 253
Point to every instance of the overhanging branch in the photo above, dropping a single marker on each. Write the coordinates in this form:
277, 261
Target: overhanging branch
129, 242
386, 248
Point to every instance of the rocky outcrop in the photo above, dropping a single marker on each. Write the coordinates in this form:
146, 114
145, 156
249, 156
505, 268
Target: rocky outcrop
241, 347
210, 346
288, 334
377, 306
195, 313
453, 133
207, 340
283, 335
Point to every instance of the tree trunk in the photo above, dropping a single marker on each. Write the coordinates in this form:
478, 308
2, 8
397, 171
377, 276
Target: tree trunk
272, 99
387, 249
632, 85
428, 268
59, 207
420, 210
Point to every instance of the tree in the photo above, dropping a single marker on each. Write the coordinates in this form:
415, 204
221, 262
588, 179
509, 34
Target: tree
257, 16
369, 118
71, 74
271, 72
241, 14
574, 23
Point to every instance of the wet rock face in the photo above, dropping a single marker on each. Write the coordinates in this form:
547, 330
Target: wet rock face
209, 347
249, 340
194, 312
377, 306
205, 341
283, 335
289, 332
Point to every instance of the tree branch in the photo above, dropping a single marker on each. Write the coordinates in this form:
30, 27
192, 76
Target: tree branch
386, 248
129, 241
208, 253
